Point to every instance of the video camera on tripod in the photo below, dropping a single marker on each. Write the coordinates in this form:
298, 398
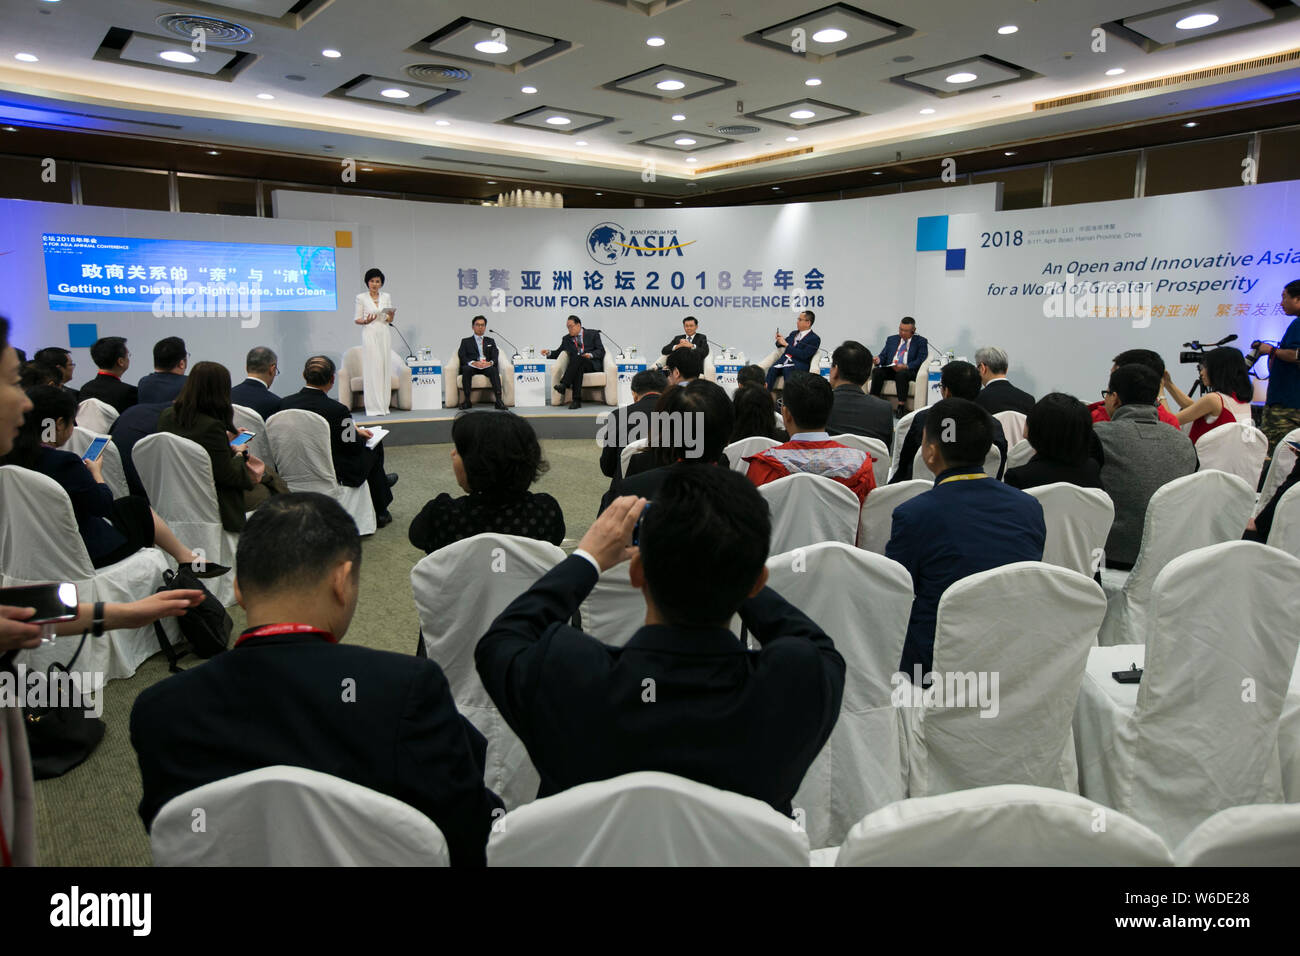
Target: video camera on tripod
1198, 350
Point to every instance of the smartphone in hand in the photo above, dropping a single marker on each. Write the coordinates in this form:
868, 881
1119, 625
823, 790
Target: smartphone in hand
243, 438
54, 603
96, 449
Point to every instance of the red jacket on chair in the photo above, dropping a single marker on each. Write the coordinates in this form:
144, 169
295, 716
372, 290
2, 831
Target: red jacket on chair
851, 467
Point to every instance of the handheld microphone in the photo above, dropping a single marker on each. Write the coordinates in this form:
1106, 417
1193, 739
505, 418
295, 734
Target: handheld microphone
512, 345
1226, 340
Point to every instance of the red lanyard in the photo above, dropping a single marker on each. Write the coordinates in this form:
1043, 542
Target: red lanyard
268, 629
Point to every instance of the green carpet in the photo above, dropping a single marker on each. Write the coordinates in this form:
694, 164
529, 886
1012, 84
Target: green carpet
88, 816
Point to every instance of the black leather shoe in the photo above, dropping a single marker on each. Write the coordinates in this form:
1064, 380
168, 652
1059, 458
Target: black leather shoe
501, 406
212, 571
575, 404
391, 478
383, 519
559, 388
465, 406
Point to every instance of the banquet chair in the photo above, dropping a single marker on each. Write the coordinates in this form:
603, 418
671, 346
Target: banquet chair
1190, 512
260, 447
625, 454
876, 449
292, 816
901, 428
601, 386
96, 415
1013, 426
177, 477
1200, 733
992, 465
738, 450
1078, 521
1239, 448
876, 523
459, 590
351, 380
39, 543
1028, 625
1288, 740
301, 440
614, 610
646, 819
1279, 467
1006, 825
1285, 532
1255, 835
1018, 454
808, 509
480, 385
862, 601
110, 459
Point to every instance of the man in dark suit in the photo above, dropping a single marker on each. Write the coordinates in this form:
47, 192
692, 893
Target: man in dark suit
255, 391
683, 696
998, 394
801, 346
631, 422
138, 421
289, 693
901, 359
167, 379
478, 356
854, 412
958, 380
60, 360
967, 523
111, 357
689, 339
586, 354
354, 463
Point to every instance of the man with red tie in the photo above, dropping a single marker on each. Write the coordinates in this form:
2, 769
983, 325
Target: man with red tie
586, 354
900, 359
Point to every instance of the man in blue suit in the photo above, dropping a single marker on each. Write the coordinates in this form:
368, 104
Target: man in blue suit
901, 359
967, 524
802, 344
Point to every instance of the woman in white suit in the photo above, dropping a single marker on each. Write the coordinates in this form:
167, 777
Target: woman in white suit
375, 311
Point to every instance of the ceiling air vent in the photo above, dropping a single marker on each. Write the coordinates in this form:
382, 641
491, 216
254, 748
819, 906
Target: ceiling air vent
219, 32
438, 73
737, 130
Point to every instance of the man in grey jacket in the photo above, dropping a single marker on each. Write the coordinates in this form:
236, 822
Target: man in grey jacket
1141, 454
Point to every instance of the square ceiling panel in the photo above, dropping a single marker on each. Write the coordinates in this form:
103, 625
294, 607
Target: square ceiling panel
172, 55
830, 32
377, 89
266, 8
548, 118
491, 44
1199, 19
650, 7
697, 141
804, 114
669, 84
963, 76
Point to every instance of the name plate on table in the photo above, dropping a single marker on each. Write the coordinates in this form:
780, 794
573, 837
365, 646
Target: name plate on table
426, 385
627, 370
727, 373
530, 384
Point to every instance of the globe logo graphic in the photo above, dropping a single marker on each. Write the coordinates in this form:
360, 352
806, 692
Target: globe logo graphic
603, 243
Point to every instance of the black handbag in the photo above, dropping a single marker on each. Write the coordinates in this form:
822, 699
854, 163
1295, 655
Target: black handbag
61, 737
206, 627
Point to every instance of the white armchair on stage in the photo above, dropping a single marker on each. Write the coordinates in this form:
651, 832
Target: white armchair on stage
599, 386
302, 447
352, 382
480, 385
918, 390
37, 512
291, 816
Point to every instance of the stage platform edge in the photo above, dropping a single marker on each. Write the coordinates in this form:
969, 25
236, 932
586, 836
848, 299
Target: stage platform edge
432, 426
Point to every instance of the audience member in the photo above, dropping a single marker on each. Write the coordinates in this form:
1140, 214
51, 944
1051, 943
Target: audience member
1059, 429
683, 365
112, 358
966, 524
33, 374
354, 463
806, 407
1260, 526
1139, 458
279, 696
754, 411
135, 423
1151, 360
957, 380
683, 696
631, 422
164, 383
751, 375
495, 457
853, 411
255, 391
60, 360
997, 394
1227, 393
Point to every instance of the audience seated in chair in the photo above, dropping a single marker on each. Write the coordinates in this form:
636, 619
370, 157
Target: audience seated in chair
112, 358
754, 407
495, 457
135, 423
255, 391
280, 695
957, 380
1060, 430
631, 422
1227, 393
60, 360
1259, 526
684, 366
167, 379
996, 393
967, 523
853, 411
1151, 360
683, 696
807, 406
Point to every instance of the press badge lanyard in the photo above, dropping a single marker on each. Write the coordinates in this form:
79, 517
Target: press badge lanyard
961, 478
270, 629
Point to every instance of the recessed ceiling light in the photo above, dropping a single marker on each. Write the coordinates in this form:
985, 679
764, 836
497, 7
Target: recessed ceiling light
491, 182
441, 122
679, 117
491, 46
691, 184
178, 56
876, 172
802, 114
792, 139
332, 54
927, 111
9, 129
684, 141
32, 58
213, 152
1197, 21
829, 35
530, 90
1115, 71
1190, 125
1010, 152
600, 194
654, 41
1009, 29
677, 202
367, 169
558, 120
962, 77
581, 142
812, 81
670, 84
265, 96
776, 189
393, 93
691, 159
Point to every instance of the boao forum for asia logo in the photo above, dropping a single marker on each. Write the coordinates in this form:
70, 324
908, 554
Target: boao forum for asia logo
608, 242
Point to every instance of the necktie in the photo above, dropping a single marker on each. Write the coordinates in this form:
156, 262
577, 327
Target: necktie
690, 340
479, 340
901, 357
577, 341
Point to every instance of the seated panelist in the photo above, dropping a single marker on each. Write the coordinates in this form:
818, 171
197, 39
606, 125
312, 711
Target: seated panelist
586, 354
691, 338
478, 356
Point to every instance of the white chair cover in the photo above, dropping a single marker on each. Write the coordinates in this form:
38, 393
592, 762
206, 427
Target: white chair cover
901, 428
291, 816
1190, 512
646, 819
301, 440
808, 509
1239, 448
992, 465
1019, 454
862, 601
177, 476
39, 543
1279, 467
1258, 835
96, 416
1288, 740
877, 519
737, 451
1078, 521
1030, 625
1013, 426
1007, 825
874, 447
626, 453
260, 446
459, 590
110, 460
614, 610
1285, 533
599, 386
1200, 732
